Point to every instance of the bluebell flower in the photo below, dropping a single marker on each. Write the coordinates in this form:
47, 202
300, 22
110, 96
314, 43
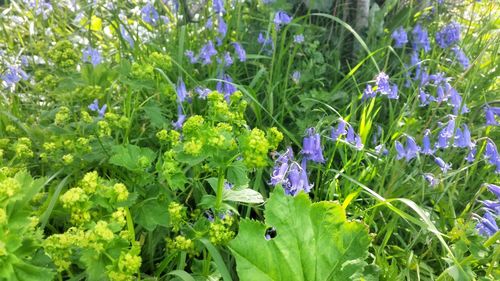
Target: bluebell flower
226, 86
281, 18
438, 78
311, 148
381, 150
400, 37
149, 14
181, 91
299, 38
431, 179
95, 107
340, 130
24, 60
495, 189
455, 100
409, 152
92, 56
13, 75
491, 153
471, 155
202, 92
222, 27
487, 225
426, 143
440, 94
445, 135
240, 51
382, 82
207, 52
191, 56
491, 206
228, 185
420, 39
126, 36
266, 42
180, 118
424, 97
460, 56
368, 93
296, 76
445, 167
490, 114
463, 138
351, 135
448, 35
303, 176
209, 24
218, 6
280, 170
227, 60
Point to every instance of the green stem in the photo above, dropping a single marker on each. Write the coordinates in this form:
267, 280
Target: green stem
130, 223
220, 189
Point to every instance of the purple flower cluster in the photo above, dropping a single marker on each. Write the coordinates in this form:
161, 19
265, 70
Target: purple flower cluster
95, 107
382, 86
182, 95
13, 75
351, 137
400, 37
91, 55
490, 114
289, 174
487, 225
149, 14
311, 148
281, 18
448, 35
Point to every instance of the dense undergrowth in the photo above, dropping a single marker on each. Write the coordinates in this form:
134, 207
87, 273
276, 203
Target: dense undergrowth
249, 140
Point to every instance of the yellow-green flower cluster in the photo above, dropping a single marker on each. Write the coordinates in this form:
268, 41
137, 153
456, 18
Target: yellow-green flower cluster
180, 243
62, 116
8, 188
22, 148
63, 54
177, 214
255, 147
220, 231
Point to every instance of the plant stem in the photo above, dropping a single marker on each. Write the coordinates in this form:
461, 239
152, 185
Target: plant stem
220, 188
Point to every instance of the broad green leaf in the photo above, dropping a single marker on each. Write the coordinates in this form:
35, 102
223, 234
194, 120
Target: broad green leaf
313, 242
150, 214
237, 174
245, 195
132, 157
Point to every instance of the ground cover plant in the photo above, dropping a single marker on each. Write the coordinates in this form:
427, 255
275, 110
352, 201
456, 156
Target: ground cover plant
249, 140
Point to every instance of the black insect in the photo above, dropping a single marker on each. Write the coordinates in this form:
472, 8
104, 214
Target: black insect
270, 233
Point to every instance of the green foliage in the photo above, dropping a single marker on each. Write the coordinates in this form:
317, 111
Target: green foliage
21, 254
314, 241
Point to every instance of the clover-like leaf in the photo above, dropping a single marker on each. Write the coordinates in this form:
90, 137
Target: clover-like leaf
312, 242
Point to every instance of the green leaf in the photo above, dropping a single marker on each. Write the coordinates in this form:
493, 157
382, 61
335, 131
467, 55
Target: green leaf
150, 213
245, 195
132, 157
237, 174
313, 242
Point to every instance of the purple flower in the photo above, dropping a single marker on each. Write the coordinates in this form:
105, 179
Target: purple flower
339, 131
226, 86
303, 176
471, 156
443, 165
448, 35
433, 181
491, 113
202, 92
95, 107
240, 51
487, 225
311, 148
191, 56
400, 37
266, 42
280, 169
382, 82
299, 38
426, 143
296, 76
463, 138
222, 28
218, 6
149, 14
409, 152
281, 18
126, 36
445, 135
491, 206
420, 39
381, 150
207, 52
495, 189
491, 153
180, 118
227, 60
13, 75
368, 93
461, 57
455, 99
91, 55
181, 91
